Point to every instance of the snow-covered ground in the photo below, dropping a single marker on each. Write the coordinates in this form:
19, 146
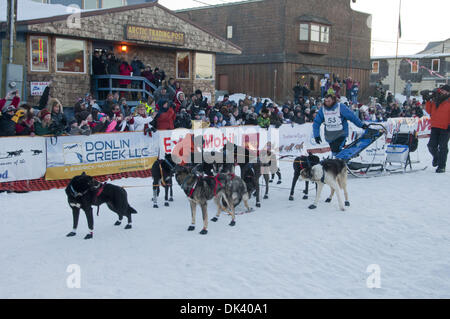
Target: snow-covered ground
283, 250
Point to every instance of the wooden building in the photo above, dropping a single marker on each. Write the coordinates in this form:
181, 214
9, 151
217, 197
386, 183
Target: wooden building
285, 41
60, 48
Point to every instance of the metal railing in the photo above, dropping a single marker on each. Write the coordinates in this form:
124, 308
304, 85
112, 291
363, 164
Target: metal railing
110, 83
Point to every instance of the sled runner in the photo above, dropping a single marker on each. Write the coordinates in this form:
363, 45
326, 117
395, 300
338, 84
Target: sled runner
370, 156
398, 152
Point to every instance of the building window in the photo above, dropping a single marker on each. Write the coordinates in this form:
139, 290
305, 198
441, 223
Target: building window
91, 4
112, 3
414, 66
39, 54
324, 34
183, 65
375, 67
304, 32
315, 32
204, 68
70, 55
435, 64
229, 32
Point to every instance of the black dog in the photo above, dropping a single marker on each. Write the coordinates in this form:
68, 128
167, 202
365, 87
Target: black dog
300, 163
84, 191
162, 171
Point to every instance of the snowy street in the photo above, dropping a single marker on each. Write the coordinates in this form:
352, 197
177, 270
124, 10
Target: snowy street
282, 250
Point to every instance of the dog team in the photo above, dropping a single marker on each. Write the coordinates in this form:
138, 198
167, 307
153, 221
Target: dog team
206, 181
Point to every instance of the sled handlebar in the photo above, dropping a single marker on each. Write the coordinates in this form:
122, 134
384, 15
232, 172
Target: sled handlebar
379, 125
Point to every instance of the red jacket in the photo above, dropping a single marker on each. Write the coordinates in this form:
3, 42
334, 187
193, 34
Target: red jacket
125, 70
15, 101
165, 120
440, 117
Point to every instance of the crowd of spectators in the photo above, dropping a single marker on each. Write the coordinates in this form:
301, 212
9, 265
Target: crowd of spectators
170, 108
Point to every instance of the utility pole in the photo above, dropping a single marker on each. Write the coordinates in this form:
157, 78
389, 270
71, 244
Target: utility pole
396, 50
11, 17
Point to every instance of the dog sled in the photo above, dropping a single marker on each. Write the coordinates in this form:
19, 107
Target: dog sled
370, 155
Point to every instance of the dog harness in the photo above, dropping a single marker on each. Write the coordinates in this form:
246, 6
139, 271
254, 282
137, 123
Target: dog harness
99, 192
163, 182
217, 183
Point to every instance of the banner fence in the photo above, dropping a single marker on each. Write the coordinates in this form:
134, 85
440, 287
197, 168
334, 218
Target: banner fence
41, 163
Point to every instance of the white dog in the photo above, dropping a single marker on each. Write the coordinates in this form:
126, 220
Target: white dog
332, 172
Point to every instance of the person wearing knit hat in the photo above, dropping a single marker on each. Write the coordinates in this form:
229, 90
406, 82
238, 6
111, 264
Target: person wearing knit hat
42, 126
43, 114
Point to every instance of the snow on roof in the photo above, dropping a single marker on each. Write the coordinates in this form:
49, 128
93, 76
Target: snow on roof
413, 56
28, 10
217, 5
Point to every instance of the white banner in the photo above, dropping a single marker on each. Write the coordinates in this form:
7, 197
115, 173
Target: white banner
99, 154
37, 88
22, 158
216, 138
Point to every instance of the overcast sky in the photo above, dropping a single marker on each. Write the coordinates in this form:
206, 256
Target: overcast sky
423, 21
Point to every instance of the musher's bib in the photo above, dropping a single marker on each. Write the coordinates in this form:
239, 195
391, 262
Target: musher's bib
333, 123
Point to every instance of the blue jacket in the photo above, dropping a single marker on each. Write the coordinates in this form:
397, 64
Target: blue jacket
346, 114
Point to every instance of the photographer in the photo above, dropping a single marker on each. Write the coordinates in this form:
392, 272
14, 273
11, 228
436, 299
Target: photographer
438, 106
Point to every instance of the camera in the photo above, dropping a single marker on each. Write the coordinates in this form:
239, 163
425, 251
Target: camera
428, 95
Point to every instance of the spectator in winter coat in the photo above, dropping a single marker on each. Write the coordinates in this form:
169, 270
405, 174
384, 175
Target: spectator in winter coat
120, 119
323, 83
275, 119
183, 119
306, 91
140, 121
298, 118
235, 119
137, 67
348, 88
298, 91
201, 101
107, 105
7, 125
158, 77
217, 120
43, 124
165, 118
98, 65
148, 74
163, 93
408, 88
389, 98
264, 119
58, 118
23, 127
439, 110
286, 113
354, 92
125, 70
337, 89
180, 101
395, 111
258, 105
